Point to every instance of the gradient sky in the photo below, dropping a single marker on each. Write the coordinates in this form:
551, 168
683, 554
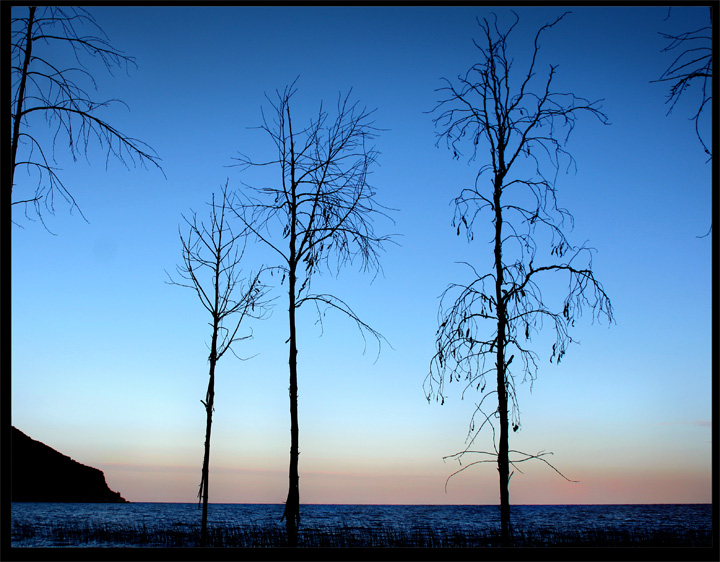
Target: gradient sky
109, 363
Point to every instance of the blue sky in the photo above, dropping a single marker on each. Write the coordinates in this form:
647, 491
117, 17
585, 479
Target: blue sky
109, 363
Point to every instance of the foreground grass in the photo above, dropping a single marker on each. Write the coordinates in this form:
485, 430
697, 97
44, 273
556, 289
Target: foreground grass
253, 536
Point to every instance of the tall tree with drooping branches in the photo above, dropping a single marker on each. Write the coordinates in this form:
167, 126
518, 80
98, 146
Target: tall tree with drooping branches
516, 123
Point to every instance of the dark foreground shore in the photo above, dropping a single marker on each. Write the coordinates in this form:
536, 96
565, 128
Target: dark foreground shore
93, 535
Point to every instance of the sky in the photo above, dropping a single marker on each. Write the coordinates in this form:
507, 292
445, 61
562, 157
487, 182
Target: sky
109, 362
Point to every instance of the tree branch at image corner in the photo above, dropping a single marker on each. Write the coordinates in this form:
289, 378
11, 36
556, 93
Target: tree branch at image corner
691, 66
42, 88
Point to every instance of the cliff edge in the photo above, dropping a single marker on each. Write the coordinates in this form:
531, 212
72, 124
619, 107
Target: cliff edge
41, 474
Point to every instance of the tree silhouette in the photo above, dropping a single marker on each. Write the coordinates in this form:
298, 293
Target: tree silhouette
43, 87
488, 322
691, 65
211, 258
323, 209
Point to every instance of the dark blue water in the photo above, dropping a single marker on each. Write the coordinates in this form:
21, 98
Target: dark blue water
449, 518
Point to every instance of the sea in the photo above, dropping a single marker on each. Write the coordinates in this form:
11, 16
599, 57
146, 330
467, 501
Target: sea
37, 524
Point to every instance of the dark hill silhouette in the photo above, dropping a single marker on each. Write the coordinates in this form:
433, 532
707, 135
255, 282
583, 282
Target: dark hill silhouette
41, 474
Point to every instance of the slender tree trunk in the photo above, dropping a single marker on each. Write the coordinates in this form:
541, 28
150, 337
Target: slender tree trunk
209, 404
292, 505
21, 96
210, 398
503, 454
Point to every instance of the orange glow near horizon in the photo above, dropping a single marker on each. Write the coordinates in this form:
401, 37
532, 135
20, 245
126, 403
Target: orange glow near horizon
180, 484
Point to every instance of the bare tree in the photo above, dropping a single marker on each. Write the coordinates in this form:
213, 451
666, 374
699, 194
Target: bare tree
488, 321
691, 65
211, 258
323, 207
42, 87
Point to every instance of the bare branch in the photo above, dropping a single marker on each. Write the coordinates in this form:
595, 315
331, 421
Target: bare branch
691, 66
493, 458
211, 266
41, 88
